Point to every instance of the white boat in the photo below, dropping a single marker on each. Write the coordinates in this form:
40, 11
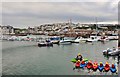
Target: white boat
114, 52
13, 38
44, 43
111, 52
92, 39
80, 39
104, 39
55, 39
113, 37
65, 41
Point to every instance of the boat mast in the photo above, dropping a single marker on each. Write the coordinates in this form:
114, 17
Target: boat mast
70, 28
96, 25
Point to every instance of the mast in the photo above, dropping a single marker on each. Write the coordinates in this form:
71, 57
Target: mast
70, 28
96, 25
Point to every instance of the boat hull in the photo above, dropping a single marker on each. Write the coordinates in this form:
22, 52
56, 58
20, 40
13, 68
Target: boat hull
43, 45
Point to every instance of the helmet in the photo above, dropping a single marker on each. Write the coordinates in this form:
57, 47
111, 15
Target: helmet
83, 62
89, 61
100, 62
107, 63
79, 54
113, 65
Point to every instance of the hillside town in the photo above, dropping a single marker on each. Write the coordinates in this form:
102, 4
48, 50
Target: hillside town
68, 29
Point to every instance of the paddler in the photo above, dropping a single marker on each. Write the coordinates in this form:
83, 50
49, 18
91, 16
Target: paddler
79, 57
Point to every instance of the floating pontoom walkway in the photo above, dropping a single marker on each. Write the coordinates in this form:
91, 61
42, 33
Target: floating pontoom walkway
94, 66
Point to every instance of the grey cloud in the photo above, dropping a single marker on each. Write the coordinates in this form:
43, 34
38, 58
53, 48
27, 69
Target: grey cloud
25, 14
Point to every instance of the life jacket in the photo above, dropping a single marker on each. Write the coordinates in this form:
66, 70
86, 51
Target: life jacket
107, 67
95, 66
77, 64
113, 66
89, 65
83, 62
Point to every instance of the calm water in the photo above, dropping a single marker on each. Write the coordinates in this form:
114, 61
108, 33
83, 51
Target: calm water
26, 58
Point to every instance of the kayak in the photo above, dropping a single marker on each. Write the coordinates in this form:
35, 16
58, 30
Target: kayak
74, 60
83, 64
113, 69
107, 68
100, 68
77, 65
85, 59
95, 66
89, 66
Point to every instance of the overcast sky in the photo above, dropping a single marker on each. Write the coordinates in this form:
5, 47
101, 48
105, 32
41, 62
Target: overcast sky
24, 14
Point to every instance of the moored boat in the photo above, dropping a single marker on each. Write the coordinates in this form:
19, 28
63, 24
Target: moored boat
80, 39
66, 41
111, 52
55, 40
44, 43
92, 39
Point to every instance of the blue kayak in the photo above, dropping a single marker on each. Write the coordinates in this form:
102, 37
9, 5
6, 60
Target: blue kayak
113, 70
84, 64
100, 68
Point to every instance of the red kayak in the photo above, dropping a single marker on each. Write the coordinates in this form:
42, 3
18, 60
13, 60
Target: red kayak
95, 66
89, 65
107, 67
77, 64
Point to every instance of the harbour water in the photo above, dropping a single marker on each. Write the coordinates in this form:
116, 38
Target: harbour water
26, 58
